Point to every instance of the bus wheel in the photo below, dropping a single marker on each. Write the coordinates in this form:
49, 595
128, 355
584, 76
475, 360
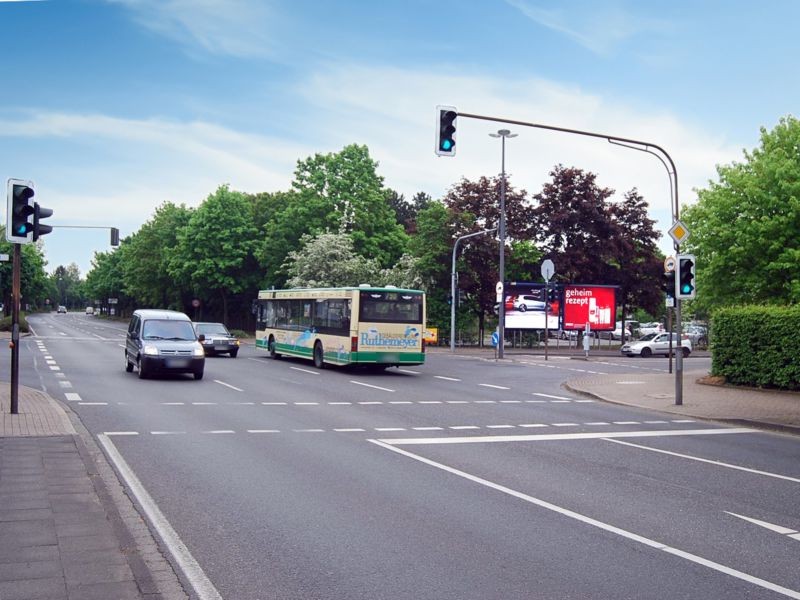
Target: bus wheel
319, 357
271, 346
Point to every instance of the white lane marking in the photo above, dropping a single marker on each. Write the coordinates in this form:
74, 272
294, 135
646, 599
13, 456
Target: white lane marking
716, 463
120, 433
625, 422
348, 429
446, 378
204, 403
771, 526
682, 421
369, 385
167, 432
220, 431
50, 361
242, 403
401, 402
65, 384
409, 371
340, 403
306, 403
371, 402
273, 403
583, 401
308, 430
309, 371
510, 401
596, 523
457, 401
564, 424
534, 425
495, 387
549, 396
563, 436
173, 403
655, 422
228, 385
428, 428
263, 431
485, 401
457, 427
429, 402
93, 403
598, 423
191, 569
500, 426
390, 429
54, 368
72, 397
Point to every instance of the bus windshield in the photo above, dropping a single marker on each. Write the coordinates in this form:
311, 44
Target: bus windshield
390, 307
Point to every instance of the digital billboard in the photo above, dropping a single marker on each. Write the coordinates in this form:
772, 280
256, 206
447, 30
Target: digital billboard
593, 304
525, 305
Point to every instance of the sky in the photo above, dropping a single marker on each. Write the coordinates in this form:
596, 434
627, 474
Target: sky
113, 107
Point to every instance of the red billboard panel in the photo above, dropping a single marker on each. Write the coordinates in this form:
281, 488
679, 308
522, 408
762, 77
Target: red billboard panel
593, 304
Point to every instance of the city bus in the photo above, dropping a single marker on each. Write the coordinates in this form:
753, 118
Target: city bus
379, 326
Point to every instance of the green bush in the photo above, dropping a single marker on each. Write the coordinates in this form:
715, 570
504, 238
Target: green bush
5, 323
757, 346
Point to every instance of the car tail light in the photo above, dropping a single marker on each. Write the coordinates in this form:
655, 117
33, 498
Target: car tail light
354, 344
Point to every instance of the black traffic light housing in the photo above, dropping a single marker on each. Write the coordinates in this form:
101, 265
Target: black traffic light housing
686, 285
668, 284
114, 236
19, 228
39, 213
446, 130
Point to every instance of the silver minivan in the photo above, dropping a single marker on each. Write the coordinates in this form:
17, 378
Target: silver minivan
163, 341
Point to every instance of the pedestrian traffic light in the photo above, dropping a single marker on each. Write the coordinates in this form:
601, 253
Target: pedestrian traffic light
446, 130
668, 284
686, 285
39, 213
19, 208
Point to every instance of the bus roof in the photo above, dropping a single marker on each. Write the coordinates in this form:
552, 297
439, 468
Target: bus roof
361, 288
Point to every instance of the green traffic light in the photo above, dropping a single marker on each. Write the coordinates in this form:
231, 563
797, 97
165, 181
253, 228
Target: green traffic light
447, 144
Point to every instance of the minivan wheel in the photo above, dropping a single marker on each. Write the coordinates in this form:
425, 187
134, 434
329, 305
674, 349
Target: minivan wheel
319, 356
198, 375
128, 364
140, 369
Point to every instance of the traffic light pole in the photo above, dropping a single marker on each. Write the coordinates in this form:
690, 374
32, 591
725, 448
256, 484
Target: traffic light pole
15, 301
632, 144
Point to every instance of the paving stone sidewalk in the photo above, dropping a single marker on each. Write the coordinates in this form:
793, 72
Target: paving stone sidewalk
67, 530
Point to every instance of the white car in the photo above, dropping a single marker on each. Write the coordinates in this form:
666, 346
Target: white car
657, 343
648, 328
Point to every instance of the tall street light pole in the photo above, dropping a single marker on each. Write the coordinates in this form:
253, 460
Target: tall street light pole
501, 326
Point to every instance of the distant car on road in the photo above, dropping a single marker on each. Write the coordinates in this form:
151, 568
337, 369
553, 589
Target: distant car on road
218, 340
90, 310
163, 340
657, 344
62, 309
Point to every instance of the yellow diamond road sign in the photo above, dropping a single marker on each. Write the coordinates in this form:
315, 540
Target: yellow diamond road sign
678, 232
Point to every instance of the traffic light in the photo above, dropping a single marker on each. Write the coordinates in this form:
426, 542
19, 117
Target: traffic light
114, 236
668, 284
686, 285
39, 213
446, 130
19, 208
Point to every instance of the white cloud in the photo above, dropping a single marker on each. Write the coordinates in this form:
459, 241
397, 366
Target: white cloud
600, 28
228, 27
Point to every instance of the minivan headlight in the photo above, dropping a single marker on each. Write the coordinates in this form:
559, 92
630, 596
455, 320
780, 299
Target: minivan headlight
198, 350
150, 350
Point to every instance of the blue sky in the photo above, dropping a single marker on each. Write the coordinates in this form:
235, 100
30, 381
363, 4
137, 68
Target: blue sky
114, 106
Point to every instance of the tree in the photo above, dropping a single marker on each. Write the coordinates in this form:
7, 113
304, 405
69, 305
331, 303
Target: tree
148, 252
329, 260
746, 226
476, 207
34, 282
216, 249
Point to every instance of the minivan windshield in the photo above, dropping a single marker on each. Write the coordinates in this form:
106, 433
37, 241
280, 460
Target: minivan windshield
166, 329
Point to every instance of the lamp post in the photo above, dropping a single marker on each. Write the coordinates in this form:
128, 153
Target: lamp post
501, 326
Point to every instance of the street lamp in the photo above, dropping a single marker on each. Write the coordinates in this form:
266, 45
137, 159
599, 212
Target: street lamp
501, 326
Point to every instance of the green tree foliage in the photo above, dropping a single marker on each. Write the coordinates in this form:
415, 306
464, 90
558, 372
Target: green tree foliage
67, 286
216, 249
105, 279
746, 226
335, 193
35, 285
148, 252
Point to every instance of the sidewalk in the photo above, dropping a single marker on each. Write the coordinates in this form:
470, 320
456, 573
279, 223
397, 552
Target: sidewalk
67, 531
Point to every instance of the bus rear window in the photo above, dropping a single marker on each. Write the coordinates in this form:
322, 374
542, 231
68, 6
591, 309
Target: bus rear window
390, 307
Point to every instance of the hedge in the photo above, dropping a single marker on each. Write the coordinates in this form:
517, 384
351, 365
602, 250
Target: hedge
757, 346
5, 323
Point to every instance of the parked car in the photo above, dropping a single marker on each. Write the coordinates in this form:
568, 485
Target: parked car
218, 340
697, 334
163, 340
61, 309
657, 344
648, 328
616, 334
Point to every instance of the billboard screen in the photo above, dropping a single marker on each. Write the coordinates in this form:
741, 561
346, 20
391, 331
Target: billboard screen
593, 304
525, 306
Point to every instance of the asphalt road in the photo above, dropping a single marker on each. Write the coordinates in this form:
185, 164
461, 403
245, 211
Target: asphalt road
462, 478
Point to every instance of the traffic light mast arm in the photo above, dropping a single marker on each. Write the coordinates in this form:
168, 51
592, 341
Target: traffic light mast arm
648, 147
114, 230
